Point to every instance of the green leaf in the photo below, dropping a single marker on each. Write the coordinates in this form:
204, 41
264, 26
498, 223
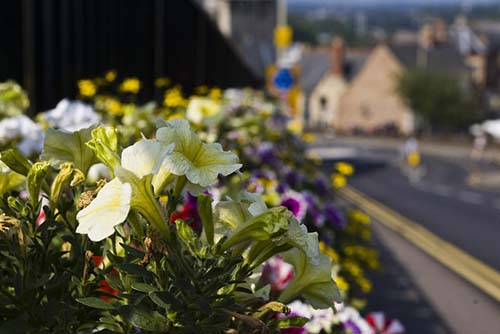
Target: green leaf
132, 251
104, 144
145, 319
95, 303
290, 322
143, 287
16, 161
134, 269
164, 299
206, 215
61, 146
35, 178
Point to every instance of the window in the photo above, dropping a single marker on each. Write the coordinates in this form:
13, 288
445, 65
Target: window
323, 102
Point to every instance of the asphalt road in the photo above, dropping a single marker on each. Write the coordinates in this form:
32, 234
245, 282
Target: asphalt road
437, 196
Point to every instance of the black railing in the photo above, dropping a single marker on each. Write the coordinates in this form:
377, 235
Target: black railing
47, 45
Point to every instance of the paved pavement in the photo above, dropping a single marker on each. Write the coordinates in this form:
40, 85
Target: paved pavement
425, 296
414, 287
441, 200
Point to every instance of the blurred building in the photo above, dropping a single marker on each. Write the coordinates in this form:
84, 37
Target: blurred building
324, 76
249, 26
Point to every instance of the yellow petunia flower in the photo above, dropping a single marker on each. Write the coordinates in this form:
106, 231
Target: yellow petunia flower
114, 107
130, 85
338, 180
344, 168
173, 98
342, 283
87, 88
110, 76
330, 252
308, 138
215, 93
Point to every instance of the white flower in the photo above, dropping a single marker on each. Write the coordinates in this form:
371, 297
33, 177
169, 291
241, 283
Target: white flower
71, 116
201, 163
131, 189
22, 128
201, 108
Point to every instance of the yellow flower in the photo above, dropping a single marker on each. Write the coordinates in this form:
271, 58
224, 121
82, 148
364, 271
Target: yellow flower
272, 198
130, 85
162, 82
87, 88
114, 107
344, 168
295, 126
308, 138
359, 216
175, 115
342, 283
173, 98
364, 284
110, 76
338, 181
215, 93
330, 252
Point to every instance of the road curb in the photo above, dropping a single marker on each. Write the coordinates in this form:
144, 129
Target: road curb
471, 269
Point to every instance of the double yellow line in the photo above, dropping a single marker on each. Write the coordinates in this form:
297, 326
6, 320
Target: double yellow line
476, 272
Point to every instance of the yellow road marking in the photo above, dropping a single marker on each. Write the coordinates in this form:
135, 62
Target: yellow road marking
476, 272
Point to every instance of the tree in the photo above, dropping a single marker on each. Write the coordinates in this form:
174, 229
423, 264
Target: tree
440, 99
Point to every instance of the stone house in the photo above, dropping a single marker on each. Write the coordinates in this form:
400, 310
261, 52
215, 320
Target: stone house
325, 75
371, 103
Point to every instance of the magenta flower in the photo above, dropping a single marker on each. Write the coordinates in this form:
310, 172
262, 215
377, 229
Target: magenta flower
278, 273
296, 203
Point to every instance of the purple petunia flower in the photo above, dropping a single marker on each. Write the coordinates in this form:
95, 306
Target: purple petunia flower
334, 216
265, 151
313, 210
322, 185
296, 203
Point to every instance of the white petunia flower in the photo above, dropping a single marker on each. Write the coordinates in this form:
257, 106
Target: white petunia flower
22, 128
71, 116
128, 190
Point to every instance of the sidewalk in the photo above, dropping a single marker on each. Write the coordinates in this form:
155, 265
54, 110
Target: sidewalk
425, 296
452, 150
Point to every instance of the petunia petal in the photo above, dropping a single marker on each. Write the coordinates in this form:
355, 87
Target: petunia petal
108, 209
144, 157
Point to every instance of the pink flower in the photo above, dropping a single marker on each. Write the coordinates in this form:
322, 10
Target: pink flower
383, 325
278, 273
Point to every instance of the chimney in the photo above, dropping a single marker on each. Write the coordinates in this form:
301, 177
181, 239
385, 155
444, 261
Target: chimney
440, 31
338, 55
426, 37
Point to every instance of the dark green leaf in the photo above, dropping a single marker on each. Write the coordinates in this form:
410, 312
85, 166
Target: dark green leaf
134, 269
143, 287
95, 303
132, 251
290, 322
145, 319
164, 299
205, 211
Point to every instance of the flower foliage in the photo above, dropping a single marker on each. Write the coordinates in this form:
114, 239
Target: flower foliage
205, 219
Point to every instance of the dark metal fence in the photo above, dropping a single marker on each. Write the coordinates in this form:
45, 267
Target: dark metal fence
47, 45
